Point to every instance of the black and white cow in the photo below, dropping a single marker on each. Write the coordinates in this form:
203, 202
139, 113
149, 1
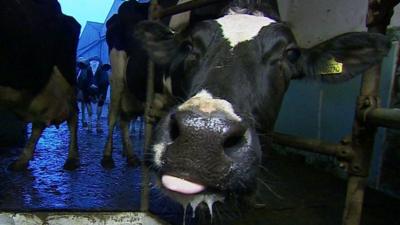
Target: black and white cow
37, 69
124, 105
129, 71
92, 86
233, 73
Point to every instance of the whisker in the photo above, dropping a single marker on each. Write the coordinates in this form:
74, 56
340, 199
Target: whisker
270, 189
267, 171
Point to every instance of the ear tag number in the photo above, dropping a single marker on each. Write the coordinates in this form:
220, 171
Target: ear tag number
332, 67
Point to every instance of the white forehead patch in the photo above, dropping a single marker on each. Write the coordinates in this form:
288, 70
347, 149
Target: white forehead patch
238, 28
205, 102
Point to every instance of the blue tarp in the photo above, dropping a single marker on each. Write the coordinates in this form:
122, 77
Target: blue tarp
92, 41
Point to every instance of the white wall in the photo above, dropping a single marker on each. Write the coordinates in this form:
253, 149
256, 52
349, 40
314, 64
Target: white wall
314, 21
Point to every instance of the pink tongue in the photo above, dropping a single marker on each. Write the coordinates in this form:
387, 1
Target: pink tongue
180, 185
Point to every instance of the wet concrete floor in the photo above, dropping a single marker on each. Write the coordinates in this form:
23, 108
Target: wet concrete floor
46, 186
302, 195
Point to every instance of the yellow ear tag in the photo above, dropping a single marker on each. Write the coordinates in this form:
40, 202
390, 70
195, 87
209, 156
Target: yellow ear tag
332, 67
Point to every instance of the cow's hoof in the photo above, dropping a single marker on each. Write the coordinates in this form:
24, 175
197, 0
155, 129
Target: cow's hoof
84, 124
71, 164
133, 161
17, 166
107, 162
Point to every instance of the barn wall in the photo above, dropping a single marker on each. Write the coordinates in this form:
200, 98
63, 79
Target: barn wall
390, 160
327, 18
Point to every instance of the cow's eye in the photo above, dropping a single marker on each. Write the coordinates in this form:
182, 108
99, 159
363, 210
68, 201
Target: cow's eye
188, 47
293, 54
192, 53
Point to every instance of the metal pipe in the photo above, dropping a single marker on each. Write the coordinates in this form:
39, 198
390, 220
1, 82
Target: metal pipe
313, 145
362, 143
144, 196
383, 117
363, 137
184, 7
144, 201
379, 13
354, 201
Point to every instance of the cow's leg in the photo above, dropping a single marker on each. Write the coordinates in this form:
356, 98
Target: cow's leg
128, 150
118, 61
90, 113
136, 127
83, 114
132, 127
22, 162
99, 111
73, 155
113, 111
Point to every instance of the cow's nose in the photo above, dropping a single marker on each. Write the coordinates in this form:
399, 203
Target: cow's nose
210, 132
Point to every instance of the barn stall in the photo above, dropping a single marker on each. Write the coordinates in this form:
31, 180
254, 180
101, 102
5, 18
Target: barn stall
318, 198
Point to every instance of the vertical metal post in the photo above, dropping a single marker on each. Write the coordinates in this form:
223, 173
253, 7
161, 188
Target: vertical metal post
362, 143
379, 13
144, 201
144, 198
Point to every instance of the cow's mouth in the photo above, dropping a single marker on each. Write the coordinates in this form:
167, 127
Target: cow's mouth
181, 186
189, 193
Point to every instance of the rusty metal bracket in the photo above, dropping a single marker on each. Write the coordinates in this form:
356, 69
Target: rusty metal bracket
366, 104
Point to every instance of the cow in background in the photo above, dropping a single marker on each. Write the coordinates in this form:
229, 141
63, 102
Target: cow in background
37, 70
128, 77
233, 74
129, 71
92, 88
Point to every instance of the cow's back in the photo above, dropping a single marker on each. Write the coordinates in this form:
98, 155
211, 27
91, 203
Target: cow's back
35, 37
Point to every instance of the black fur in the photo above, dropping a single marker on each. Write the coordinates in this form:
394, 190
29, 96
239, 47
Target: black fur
35, 36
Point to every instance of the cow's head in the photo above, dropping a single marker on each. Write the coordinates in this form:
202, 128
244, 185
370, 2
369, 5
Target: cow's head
233, 73
93, 64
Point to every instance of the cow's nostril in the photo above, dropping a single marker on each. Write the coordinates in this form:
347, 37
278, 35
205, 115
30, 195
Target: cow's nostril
234, 137
173, 128
233, 141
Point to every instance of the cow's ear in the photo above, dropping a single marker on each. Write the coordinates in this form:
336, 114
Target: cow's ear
343, 57
106, 67
158, 40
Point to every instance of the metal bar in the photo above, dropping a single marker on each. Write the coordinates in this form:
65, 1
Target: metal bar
362, 143
379, 13
184, 7
363, 136
313, 145
144, 202
354, 200
383, 117
144, 197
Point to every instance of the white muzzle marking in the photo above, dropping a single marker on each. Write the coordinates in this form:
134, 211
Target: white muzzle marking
204, 102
